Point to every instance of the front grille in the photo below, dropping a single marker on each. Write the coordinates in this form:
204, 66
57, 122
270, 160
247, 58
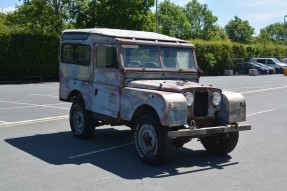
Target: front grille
200, 104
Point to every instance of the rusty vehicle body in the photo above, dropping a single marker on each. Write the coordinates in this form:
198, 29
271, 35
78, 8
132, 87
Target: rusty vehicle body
150, 83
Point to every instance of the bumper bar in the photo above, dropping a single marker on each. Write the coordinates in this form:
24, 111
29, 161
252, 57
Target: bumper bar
208, 131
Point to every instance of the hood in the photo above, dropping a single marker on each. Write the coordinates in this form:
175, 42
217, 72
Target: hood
282, 64
165, 85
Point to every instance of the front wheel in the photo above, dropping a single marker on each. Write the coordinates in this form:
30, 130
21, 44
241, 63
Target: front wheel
150, 139
81, 121
221, 144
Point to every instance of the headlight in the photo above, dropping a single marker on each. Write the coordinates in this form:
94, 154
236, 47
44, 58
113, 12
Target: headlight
189, 98
216, 98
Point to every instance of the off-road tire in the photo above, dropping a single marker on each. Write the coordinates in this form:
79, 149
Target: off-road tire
150, 139
221, 144
81, 120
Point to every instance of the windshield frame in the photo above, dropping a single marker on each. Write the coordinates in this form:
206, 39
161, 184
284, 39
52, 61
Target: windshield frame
161, 66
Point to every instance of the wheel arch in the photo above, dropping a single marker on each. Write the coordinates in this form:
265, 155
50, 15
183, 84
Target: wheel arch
143, 109
75, 94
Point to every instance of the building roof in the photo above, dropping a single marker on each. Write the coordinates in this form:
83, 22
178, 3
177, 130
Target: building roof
119, 33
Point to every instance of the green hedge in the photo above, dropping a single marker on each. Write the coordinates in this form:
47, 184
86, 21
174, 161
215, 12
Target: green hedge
37, 55
214, 57
26, 55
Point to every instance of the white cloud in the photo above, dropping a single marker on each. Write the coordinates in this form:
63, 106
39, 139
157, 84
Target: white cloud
261, 13
7, 9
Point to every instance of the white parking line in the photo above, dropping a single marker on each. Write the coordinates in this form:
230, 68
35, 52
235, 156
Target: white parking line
25, 122
99, 151
264, 90
4, 122
16, 107
35, 105
260, 112
44, 95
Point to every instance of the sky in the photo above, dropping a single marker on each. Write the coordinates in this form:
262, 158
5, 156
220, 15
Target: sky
259, 13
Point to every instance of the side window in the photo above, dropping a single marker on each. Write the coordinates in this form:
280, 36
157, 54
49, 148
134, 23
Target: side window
76, 54
106, 57
261, 61
269, 61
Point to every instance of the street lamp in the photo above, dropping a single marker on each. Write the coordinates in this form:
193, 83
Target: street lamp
157, 16
285, 30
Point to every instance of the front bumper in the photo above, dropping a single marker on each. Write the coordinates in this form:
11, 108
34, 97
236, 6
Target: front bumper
208, 131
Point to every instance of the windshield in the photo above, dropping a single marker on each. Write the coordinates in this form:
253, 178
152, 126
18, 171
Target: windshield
135, 56
276, 60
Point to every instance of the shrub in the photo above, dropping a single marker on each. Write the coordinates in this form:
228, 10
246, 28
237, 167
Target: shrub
28, 55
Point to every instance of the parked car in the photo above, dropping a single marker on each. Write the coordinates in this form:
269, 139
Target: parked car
284, 60
271, 69
273, 62
150, 83
243, 68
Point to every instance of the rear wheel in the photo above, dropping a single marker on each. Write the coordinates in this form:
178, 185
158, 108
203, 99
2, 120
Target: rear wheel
81, 121
150, 139
221, 144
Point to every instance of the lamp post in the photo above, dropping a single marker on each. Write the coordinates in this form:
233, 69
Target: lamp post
157, 16
285, 30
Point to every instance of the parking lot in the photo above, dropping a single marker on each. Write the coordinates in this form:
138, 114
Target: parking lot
38, 151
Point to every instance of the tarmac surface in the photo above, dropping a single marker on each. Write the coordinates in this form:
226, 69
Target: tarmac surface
39, 152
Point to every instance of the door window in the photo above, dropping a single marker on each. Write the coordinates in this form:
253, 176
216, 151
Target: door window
106, 57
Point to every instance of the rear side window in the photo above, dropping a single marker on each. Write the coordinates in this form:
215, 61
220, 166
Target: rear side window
76, 54
261, 61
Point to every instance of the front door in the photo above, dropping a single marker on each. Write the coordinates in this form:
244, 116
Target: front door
106, 85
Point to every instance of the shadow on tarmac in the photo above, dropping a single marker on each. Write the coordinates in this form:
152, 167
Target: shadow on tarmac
57, 149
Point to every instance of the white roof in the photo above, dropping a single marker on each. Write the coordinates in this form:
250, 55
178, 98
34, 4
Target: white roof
119, 33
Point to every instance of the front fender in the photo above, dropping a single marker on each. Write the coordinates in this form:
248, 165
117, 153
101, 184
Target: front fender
233, 108
170, 107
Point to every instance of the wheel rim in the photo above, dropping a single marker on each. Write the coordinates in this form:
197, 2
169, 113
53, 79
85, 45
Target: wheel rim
147, 139
79, 121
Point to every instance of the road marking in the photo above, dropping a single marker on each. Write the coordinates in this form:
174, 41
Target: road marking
250, 87
4, 122
35, 105
44, 95
99, 151
25, 122
260, 112
16, 107
263, 90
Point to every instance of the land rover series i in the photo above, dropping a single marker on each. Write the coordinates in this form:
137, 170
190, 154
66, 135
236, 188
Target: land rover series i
150, 83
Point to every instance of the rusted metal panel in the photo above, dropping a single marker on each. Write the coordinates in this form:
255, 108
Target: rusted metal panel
163, 85
208, 131
105, 99
183, 44
233, 107
133, 98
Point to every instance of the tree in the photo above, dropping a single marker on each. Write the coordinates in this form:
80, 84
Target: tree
124, 14
219, 34
239, 31
201, 20
40, 15
272, 33
172, 21
6, 28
